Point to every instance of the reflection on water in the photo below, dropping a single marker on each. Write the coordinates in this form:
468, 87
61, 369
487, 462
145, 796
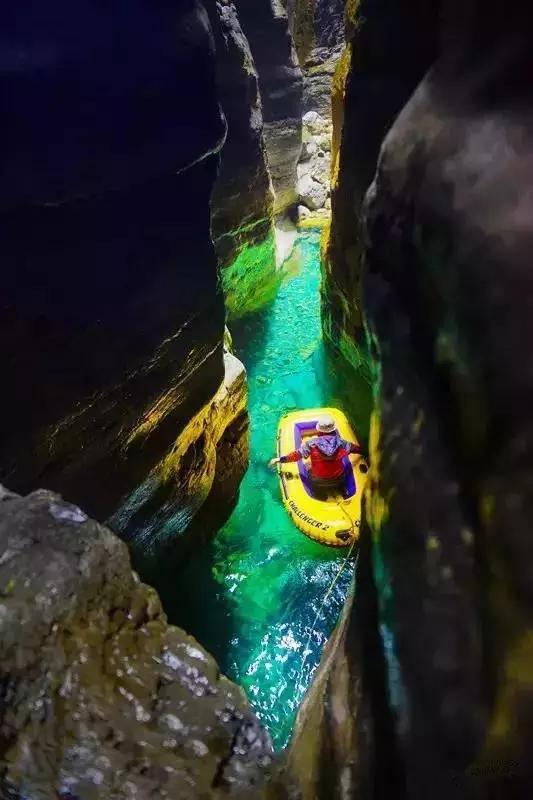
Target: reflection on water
251, 595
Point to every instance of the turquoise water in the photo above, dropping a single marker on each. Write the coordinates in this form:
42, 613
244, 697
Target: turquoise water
251, 595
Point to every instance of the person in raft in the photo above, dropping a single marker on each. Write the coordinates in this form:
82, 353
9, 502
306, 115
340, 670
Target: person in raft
326, 451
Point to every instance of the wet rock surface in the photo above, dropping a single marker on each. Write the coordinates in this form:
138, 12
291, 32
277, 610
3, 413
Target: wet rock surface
438, 642
112, 318
100, 697
454, 402
390, 46
202, 470
331, 750
266, 26
243, 200
318, 30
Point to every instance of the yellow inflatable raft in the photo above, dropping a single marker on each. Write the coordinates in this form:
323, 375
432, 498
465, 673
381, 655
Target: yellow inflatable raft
336, 520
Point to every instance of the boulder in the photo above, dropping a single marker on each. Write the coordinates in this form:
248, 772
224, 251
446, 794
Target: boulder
101, 697
312, 194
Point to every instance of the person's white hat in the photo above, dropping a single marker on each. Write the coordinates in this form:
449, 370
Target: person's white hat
325, 424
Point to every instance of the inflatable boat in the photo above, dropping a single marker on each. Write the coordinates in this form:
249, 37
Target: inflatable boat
335, 519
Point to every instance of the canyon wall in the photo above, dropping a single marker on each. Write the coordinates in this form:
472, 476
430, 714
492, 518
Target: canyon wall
242, 205
319, 37
425, 690
390, 45
266, 26
112, 319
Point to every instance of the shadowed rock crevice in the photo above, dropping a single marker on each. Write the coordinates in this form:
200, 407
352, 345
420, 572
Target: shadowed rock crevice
112, 318
317, 27
390, 46
446, 279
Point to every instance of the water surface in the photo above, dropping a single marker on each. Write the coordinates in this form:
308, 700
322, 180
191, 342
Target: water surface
251, 595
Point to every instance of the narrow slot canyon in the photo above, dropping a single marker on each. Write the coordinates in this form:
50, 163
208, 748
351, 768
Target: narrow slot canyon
214, 213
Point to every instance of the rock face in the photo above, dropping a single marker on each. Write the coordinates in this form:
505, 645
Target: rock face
243, 200
200, 473
111, 318
440, 654
266, 26
318, 30
390, 46
453, 194
100, 697
314, 167
330, 751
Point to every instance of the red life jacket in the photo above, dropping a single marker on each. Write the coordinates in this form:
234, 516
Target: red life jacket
324, 465
327, 467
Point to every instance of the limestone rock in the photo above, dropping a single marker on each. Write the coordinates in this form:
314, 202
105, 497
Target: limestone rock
321, 167
266, 26
112, 320
324, 142
243, 199
309, 150
318, 30
312, 193
390, 48
204, 466
101, 697
314, 167
333, 741
449, 227
434, 662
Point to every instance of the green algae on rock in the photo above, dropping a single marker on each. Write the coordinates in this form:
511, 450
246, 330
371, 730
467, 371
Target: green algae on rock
242, 204
102, 698
252, 279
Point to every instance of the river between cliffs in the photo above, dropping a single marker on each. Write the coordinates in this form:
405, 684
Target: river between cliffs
251, 594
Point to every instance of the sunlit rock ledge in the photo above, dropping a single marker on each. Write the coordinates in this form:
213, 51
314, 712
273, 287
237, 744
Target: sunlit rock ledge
204, 467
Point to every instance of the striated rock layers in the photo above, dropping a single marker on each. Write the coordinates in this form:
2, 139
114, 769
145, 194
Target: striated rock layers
266, 26
243, 200
436, 667
319, 36
111, 317
390, 45
200, 475
101, 697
